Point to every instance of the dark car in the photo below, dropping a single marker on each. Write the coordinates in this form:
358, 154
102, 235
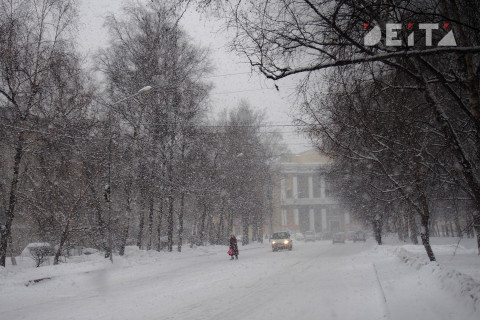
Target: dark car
339, 237
359, 236
281, 240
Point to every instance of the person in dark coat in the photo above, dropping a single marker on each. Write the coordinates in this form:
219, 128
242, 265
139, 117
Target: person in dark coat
233, 246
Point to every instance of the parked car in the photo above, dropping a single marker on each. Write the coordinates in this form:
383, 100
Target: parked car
324, 235
281, 240
299, 236
359, 236
309, 236
350, 235
339, 237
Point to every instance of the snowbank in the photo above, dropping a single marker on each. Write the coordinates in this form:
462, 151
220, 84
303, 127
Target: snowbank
460, 284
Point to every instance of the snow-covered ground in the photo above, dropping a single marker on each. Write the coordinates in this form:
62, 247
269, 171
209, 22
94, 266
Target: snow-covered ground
313, 281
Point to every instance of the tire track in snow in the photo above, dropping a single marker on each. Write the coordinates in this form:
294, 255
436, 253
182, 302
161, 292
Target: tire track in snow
385, 303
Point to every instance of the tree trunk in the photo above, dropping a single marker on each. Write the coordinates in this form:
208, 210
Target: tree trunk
72, 211
193, 235
425, 236
456, 145
377, 230
469, 226
170, 223
98, 210
458, 229
64, 237
245, 226
456, 220
12, 251
211, 229
230, 224
140, 231
476, 227
126, 227
413, 227
425, 220
405, 227
203, 217
109, 250
6, 230
180, 222
219, 236
399, 226
150, 223
159, 225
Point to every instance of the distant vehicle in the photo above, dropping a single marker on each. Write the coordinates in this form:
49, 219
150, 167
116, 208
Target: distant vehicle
339, 237
88, 251
309, 236
349, 235
281, 240
299, 236
359, 236
324, 235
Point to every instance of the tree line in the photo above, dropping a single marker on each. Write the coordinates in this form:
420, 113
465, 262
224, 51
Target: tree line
132, 160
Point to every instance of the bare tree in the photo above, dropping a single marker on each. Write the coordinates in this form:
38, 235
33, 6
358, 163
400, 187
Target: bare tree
388, 139
33, 35
149, 47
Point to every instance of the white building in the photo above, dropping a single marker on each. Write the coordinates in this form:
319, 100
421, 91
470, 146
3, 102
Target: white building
303, 200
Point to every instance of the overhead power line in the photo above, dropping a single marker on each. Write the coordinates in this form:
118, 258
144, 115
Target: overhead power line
251, 90
69, 136
226, 75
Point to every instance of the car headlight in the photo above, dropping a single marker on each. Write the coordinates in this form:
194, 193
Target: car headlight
273, 242
285, 242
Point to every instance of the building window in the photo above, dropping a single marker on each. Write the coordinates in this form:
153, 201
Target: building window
289, 194
328, 191
302, 186
316, 186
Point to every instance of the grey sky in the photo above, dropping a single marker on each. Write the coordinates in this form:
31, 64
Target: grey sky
231, 77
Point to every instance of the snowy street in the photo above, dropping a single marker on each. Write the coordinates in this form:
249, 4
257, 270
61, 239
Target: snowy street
314, 281
131, 129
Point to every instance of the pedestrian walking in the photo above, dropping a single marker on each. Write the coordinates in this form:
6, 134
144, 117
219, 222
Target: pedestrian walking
233, 247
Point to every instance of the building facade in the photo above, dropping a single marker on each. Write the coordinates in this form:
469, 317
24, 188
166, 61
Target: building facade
303, 199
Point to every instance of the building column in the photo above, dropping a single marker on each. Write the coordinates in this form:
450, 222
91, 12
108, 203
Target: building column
295, 217
310, 187
295, 188
312, 218
283, 194
324, 219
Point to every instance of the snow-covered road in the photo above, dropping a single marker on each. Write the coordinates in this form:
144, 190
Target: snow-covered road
314, 281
